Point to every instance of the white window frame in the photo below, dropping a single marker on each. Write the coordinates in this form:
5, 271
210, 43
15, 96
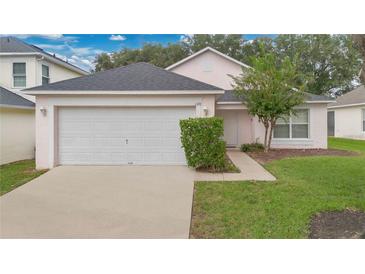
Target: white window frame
20, 75
43, 76
290, 127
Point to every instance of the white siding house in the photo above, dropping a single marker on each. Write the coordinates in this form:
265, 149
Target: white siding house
24, 66
347, 115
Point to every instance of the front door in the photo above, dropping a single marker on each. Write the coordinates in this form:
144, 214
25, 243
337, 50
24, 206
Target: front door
230, 120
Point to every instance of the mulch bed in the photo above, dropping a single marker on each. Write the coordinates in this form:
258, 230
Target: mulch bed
347, 224
277, 154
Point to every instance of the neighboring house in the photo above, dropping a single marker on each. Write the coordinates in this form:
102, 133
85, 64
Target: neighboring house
346, 117
17, 131
24, 66
130, 115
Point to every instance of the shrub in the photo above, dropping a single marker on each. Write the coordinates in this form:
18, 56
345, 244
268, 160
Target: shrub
202, 140
252, 147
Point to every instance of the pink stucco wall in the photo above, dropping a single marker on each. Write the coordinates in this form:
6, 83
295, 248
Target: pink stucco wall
211, 68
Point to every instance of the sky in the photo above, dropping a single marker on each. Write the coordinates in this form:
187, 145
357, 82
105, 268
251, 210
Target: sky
81, 49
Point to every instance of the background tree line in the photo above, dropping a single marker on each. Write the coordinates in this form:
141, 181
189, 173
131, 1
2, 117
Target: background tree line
328, 64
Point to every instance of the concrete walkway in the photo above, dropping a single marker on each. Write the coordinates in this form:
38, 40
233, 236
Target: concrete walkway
250, 170
101, 202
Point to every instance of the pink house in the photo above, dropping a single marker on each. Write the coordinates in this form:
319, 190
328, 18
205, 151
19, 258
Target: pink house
130, 115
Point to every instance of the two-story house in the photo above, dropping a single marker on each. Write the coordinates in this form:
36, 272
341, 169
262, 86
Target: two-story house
24, 66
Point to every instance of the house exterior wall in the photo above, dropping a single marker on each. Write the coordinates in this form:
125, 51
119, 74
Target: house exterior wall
210, 68
251, 130
46, 125
33, 72
317, 130
17, 134
348, 122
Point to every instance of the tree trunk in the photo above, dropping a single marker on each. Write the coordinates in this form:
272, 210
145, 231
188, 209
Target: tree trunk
272, 125
266, 141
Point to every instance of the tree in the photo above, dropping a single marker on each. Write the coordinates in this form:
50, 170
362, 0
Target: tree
360, 42
330, 63
229, 44
270, 90
161, 56
164, 56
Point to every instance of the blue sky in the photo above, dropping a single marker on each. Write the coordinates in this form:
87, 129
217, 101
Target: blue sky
81, 49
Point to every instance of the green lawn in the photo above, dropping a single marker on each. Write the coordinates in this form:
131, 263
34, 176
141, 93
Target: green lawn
282, 209
16, 174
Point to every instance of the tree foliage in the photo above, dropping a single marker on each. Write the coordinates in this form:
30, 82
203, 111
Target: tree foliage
152, 53
270, 90
360, 42
328, 63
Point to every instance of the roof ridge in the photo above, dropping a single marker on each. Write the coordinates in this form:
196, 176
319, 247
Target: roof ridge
126, 66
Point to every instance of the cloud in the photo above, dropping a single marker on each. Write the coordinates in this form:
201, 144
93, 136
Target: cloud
84, 51
117, 37
50, 46
59, 37
185, 37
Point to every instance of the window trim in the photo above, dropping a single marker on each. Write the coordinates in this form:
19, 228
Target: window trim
43, 76
19, 75
291, 130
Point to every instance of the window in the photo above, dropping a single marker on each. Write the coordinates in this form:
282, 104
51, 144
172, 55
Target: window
45, 74
19, 75
293, 127
363, 120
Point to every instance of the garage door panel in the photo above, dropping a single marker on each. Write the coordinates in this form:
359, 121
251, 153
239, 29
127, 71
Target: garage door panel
92, 136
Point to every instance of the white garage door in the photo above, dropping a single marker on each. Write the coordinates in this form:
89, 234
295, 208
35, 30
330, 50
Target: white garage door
117, 136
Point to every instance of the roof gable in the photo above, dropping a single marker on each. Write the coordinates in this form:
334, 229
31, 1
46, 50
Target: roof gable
134, 77
205, 50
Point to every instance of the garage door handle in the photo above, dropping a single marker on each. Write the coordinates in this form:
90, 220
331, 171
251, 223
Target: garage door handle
126, 141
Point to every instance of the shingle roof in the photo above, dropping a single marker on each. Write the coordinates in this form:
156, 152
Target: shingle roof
9, 98
12, 44
229, 96
134, 77
357, 96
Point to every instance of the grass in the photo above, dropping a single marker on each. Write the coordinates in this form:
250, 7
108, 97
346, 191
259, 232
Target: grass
282, 209
16, 174
346, 144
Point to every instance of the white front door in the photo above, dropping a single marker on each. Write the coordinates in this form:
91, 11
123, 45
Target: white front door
117, 136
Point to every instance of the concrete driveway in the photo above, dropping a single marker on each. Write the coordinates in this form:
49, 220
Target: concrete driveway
101, 202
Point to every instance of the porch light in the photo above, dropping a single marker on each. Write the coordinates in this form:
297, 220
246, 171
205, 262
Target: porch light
205, 110
43, 110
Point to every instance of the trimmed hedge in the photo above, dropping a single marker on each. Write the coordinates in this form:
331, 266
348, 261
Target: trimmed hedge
202, 140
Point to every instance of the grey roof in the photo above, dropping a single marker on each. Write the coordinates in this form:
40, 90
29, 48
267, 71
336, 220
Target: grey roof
229, 96
12, 44
134, 77
357, 96
9, 98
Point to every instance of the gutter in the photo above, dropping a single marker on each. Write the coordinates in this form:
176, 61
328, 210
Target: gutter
15, 106
131, 92
348, 105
